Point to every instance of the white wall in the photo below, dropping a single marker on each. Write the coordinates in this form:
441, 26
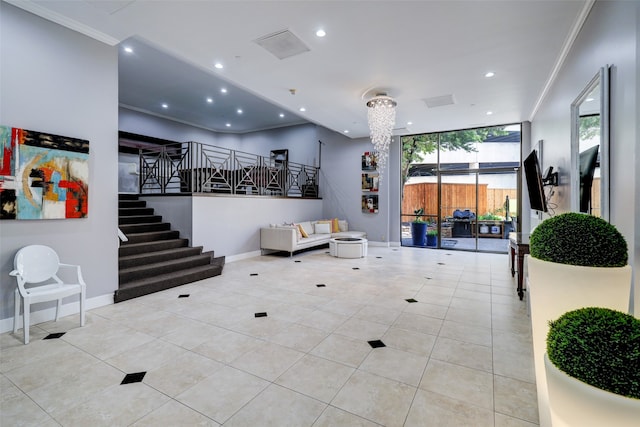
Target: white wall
610, 35
57, 81
230, 226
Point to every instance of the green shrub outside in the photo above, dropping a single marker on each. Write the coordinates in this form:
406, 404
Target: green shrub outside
579, 239
598, 346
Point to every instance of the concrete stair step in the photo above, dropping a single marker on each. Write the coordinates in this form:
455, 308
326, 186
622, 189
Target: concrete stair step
139, 272
157, 256
138, 219
149, 285
128, 249
131, 204
144, 227
151, 236
134, 211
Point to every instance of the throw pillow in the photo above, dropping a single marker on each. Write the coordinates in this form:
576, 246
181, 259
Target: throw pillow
323, 228
301, 231
343, 225
335, 227
308, 228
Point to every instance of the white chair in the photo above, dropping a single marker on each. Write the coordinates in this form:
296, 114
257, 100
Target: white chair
38, 265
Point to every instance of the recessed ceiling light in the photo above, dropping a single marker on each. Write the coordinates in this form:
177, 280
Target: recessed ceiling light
490, 74
409, 123
165, 105
219, 66
210, 100
239, 111
346, 131
223, 90
281, 114
303, 109
228, 125
321, 33
589, 99
489, 113
128, 49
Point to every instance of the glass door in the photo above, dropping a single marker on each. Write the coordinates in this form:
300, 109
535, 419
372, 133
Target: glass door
478, 209
458, 209
497, 209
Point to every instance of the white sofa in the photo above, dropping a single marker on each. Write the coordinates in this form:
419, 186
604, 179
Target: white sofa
289, 238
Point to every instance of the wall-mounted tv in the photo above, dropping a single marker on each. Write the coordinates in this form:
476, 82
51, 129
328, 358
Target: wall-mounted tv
533, 175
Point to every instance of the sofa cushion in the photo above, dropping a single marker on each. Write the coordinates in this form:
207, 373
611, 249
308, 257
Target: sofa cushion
308, 228
295, 227
322, 227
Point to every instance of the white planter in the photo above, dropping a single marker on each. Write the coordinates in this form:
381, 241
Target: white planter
555, 289
575, 403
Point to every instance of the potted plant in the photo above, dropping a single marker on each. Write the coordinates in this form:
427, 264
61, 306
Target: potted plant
593, 368
432, 237
576, 260
418, 228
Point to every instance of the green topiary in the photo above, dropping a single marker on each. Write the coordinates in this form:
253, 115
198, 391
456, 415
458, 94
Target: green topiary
579, 239
598, 346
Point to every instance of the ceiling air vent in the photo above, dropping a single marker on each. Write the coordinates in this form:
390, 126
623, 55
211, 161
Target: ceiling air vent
440, 101
282, 44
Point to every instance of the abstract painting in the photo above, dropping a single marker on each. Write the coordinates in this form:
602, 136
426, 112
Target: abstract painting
43, 176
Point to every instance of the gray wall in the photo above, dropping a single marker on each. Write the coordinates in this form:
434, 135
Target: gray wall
301, 140
57, 81
230, 226
609, 36
341, 189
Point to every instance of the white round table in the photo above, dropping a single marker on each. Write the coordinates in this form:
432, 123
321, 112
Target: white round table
348, 247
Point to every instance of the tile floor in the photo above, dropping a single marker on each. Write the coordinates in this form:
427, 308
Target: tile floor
460, 355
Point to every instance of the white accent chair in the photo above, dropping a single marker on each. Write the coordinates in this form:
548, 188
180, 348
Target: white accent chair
38, 265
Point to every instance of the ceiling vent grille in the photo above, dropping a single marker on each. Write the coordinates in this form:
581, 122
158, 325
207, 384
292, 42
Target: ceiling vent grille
440, 101
282, 44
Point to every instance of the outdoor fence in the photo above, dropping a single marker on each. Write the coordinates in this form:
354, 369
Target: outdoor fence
456, 196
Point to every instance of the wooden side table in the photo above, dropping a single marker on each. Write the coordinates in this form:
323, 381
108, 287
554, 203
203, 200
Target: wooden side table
519, 247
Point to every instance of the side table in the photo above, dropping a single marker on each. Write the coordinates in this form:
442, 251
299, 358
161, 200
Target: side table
519, 247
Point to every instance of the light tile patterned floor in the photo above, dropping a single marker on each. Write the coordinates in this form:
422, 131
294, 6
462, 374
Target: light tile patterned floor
459, 356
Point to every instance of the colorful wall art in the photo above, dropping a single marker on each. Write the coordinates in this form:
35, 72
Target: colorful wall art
42, 176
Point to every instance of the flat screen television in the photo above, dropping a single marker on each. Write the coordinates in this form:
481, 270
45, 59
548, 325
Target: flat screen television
533, 175
588, 164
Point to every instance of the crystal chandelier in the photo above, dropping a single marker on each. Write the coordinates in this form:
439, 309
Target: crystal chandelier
382, 118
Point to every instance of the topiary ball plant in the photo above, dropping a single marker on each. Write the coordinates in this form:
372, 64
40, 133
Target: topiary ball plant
598, 346
579, 239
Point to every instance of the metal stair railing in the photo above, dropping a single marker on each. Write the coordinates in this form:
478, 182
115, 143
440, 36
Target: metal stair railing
193, 167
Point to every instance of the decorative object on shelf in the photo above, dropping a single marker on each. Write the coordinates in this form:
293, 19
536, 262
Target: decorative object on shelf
42, 176
382, 118
418, 228
369, 161
370, 182
576, 261
370, 203
592, 368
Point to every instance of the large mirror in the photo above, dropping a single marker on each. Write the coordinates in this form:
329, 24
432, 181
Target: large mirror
590, 148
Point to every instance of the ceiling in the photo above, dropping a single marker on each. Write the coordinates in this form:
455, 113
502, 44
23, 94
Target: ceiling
419, 52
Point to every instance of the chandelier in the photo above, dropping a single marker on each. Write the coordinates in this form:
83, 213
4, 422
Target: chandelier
382, 118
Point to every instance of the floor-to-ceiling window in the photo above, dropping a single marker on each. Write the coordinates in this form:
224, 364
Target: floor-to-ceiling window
464, 185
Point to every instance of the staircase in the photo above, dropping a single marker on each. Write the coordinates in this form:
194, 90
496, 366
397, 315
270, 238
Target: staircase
155, 257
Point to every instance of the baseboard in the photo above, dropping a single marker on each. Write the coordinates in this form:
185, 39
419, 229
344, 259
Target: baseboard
378, 244
240, 257
48, 314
